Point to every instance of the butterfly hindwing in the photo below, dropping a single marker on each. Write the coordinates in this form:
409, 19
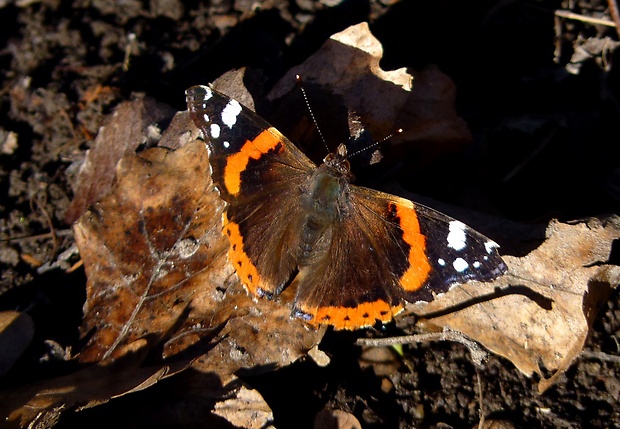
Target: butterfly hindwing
398, 250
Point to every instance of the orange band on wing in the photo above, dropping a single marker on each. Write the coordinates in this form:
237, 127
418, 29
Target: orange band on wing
364, 315
254, 149
419, 267
246, 270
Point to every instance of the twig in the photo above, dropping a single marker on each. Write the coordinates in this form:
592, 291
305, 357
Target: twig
59, 233
577, 17
480, 400
605, 357
615, 14
39, 206
477, 354
75, 266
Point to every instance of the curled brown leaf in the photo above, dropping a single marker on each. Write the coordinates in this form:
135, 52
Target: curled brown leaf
540, 313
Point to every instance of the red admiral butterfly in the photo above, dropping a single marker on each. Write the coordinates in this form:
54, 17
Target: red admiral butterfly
354, 254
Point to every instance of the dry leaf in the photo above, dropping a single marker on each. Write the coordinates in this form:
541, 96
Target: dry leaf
245, 409
547, 301
180, 132
146, 249
41, 404
422, 103
133, 123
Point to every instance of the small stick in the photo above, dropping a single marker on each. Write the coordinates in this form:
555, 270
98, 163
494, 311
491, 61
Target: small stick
477, 354
604, 357
577, 17
615, 14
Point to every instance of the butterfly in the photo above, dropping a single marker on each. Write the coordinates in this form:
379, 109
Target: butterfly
355, 255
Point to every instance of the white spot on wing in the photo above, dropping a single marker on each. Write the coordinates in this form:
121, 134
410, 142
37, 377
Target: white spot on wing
206, 117
456, 237
208, 92
490, 245
460, 265
441, 262
226, 144
215, 131
230, 113
476, 264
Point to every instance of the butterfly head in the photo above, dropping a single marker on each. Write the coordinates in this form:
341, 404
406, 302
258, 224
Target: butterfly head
338, 160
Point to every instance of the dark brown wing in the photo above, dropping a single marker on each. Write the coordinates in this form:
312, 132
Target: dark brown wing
259, 172
387, 250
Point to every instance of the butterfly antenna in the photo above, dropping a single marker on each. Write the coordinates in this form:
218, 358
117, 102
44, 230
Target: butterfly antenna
316, 124
377, 143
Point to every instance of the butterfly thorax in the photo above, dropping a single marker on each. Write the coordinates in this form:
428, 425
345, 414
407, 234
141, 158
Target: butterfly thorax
325, 201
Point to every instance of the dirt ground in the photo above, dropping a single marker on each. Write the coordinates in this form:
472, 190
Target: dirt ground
540, 95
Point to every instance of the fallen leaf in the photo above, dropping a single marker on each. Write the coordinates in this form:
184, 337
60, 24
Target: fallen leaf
422, 102
538, 315
41, 404
133, 123
180, 132
149, 248
245, 409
